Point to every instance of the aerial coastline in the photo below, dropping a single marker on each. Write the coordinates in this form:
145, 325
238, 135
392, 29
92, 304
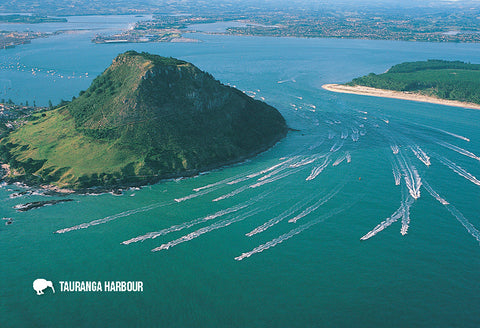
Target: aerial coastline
383, 93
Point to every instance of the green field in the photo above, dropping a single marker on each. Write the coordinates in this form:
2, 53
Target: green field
452, 80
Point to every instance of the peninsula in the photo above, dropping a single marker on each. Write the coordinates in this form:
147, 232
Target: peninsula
451, 83
145, 118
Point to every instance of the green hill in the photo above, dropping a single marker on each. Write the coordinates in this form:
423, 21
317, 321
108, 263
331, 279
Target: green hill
453, 80
144, 118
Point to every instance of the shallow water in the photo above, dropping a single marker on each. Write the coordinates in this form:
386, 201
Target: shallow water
205, 270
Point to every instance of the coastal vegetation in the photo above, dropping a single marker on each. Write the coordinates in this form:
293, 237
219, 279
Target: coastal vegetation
144, 118
30, 19
451, 80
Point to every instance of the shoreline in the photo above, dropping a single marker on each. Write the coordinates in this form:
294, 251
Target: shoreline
374, 92
118, 189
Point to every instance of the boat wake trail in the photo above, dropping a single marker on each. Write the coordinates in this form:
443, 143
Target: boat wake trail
402, 212
457, 169
185, 225
316, 144
394, 149
443, 131
434, 194
421, 155
459, 216
316, 171
411, 177
202, 231
458, 150
406, 217
196, 194
231, 194
396, 173
340, 159
266, 176
277, 219
336, 146
256, 174
227, 180
305, 161
276, 177
114, 217
355, 135
456, 213
315, 206
288, 235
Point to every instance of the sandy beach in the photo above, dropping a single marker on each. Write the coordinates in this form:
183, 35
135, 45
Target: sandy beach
367, 91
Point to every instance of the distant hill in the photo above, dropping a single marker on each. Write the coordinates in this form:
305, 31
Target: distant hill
144, 118
452, 80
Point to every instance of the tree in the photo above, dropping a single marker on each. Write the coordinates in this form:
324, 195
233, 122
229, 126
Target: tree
50, 105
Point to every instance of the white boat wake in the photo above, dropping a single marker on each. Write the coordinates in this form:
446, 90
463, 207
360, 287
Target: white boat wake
212, 227
185, 225
288, 235
420, 154
411, 177
317, 204
114, 217
402, 212
457, 169
456, 213
458, 149
317, 170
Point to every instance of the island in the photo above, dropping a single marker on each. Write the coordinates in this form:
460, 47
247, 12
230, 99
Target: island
145, 118
9, 39
452, 83
30, 19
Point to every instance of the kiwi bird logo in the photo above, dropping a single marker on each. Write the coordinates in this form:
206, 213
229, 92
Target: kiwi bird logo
41, 284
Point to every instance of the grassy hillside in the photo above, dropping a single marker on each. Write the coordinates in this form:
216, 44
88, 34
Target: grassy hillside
146, 117
451, 80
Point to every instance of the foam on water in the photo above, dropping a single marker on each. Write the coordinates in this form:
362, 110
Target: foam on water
317, 170
337, 146
231, 194
458, 149
212, 227
459, 216
394, 148
434, 193
396, 173
444, 131
196, 194
420, 154
317, 204
402, 212
185, 225
288, 235
277, 219
457, 169
340, 159
411, 176
276, 177
114, 217
456, 213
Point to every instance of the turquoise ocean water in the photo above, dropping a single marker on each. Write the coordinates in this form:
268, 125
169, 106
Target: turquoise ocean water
226, 254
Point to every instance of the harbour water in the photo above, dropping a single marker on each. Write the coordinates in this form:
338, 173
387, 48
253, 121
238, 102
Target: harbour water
366, 216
